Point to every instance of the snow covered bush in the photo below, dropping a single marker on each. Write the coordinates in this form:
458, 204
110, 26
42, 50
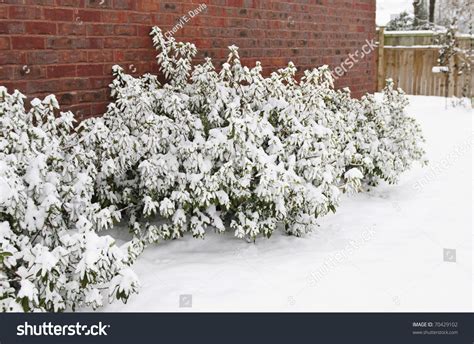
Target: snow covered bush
233, 149
378, 138
51, 258
228, 149
403, 21
400, 137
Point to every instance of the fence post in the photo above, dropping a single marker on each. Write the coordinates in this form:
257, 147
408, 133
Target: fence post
381, 62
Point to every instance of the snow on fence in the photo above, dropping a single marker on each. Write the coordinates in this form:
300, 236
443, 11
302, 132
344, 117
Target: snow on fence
409, 59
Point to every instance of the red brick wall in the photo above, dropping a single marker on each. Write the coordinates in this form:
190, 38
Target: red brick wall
68, 47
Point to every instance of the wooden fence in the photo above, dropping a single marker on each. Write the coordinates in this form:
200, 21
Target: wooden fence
409, 57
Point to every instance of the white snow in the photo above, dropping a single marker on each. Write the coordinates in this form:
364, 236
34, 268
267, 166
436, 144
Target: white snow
382, 251
5, 191
27, 289
388, 8
123, 281
354, 173
440, 69
45, 260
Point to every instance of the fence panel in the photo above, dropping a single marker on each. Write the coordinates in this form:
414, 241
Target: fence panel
409, 57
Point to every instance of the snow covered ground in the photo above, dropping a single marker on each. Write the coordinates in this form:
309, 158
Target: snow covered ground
392, 249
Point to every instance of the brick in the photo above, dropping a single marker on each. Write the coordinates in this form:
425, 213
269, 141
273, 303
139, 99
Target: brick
100, 56
71, 29
125, 4
24, 12
100, 29
100, 82
148, 5
115, 42
4, 43
6, 73
43, 57
12, 58
58, 14
40, 86
38, 28
11, 27
4, 12
72, 56
93, 96
74, 84
125, 30
115, 16
27, 42
73, 43
87, 16
61, 71
90, 70
61, 42
140, 18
